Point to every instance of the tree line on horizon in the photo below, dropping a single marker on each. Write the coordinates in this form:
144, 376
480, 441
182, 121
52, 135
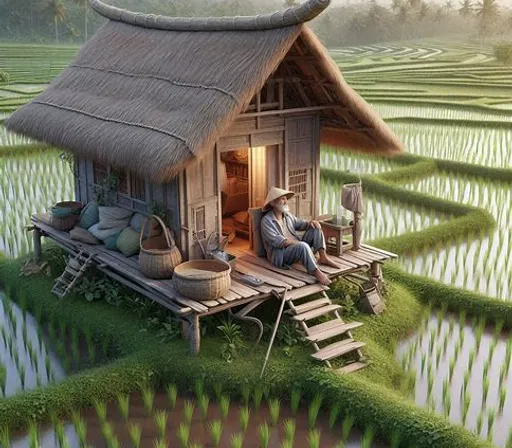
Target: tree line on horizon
72, 21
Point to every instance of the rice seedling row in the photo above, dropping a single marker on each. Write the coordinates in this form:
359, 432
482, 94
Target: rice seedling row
380, 218
29, 184
461, 369
483, 264
140, 421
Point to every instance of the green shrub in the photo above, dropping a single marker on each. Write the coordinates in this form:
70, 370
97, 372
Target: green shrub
4, 77
503, 52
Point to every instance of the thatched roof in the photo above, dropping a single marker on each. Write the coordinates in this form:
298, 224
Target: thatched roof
153, 100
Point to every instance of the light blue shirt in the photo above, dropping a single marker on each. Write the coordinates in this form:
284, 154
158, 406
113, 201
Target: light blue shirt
273, 235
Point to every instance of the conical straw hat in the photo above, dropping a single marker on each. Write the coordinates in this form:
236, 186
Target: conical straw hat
275, 193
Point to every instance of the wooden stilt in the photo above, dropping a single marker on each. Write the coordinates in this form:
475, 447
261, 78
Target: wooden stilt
37, 245
376, 270
185, 328
195, 334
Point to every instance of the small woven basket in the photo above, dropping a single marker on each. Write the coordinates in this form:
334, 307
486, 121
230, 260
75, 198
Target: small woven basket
158, 255
202, 280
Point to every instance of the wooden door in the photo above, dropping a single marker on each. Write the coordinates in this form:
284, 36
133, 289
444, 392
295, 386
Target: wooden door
201, 204
302, 152
264, 173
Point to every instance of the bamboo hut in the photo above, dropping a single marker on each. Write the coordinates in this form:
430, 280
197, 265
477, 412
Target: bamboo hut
203, 115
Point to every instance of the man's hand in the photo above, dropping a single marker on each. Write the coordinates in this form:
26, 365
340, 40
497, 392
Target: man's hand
314, 224
290, 242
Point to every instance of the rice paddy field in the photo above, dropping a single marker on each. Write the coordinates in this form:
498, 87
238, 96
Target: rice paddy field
445, 100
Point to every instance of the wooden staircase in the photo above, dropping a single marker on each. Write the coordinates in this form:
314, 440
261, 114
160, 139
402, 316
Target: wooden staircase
73, 271
331, 339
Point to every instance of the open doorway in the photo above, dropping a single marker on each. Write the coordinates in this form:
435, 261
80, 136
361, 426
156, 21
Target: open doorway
245, 175
234, 186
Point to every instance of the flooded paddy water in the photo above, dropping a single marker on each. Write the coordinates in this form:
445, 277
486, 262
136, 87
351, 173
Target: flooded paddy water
483, 264
33, 354
461, 369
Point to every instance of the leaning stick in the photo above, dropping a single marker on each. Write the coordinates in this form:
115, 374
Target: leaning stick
276, 326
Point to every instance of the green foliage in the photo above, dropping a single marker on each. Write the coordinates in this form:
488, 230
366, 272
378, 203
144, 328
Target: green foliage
347, 295
188, 411
123, 402
224, 406
455, 299
172, 394
215, 430
314, 409
295, 400
161, 422
264, 435
160, 209
183, 434
237, 440
274, 406
314, 438
106, 190
289, 427
203, 401
232, 335
503, 52
4, 77
245, 414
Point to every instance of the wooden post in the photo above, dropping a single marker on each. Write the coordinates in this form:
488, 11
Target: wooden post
37, 245
195, 334
185, 328
356, 235
376, 269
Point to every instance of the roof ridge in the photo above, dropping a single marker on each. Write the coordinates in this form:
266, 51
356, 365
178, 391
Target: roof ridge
291, 16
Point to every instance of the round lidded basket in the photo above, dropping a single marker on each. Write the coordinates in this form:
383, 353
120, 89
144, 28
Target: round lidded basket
202, 279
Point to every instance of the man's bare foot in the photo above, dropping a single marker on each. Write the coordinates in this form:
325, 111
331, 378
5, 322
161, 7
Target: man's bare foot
327, 261
322, 278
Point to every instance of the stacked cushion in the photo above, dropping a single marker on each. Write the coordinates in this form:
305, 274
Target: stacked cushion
89, 216
79, 234
128, 242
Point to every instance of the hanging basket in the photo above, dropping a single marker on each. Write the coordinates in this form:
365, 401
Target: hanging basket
202, 280
159, 255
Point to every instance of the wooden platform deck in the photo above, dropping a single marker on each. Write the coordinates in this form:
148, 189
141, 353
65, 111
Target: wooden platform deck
297, 280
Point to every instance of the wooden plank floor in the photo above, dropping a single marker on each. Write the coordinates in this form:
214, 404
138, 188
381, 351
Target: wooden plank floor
240, 293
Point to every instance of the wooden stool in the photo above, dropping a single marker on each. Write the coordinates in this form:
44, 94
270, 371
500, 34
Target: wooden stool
334, 237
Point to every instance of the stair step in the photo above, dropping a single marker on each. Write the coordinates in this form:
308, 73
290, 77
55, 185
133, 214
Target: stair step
322, 311
306, 291
324, 326
352, 367
337, 330
70, 270
308, 306
337, 349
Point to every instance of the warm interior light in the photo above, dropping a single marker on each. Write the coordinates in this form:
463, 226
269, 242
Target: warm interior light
258, 175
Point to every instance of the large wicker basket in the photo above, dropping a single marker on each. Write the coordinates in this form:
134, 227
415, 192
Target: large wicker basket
202, 279
158, 255
64, 224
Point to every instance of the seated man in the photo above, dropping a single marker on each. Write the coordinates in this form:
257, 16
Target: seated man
283, 245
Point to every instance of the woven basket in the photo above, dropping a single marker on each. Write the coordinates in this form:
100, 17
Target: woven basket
66, 208
65, 224
202, 279
158, 255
